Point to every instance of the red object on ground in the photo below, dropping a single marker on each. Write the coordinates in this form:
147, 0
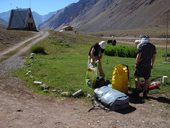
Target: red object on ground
153, 86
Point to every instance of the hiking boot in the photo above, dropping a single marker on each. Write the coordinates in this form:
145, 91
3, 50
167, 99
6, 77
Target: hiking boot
145, 94
136, 92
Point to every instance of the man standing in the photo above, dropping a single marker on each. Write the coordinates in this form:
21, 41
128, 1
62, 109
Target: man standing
145, 59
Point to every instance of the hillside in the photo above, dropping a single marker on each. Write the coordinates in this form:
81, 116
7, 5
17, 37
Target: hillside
39, 19
107, 15
68, 14
3, 23
10, 38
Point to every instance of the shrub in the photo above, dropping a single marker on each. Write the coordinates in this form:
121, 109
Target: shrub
38, 50
166, 55
120, 51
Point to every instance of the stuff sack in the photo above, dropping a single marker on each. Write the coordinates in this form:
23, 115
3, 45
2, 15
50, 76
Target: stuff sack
111, 98
91, 75
120, 78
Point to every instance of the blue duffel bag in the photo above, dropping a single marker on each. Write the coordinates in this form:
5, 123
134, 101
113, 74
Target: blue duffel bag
111, 98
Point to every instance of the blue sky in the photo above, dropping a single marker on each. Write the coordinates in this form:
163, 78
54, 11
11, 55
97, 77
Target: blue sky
40, 6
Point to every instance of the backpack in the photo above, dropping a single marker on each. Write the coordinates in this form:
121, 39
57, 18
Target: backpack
120, 78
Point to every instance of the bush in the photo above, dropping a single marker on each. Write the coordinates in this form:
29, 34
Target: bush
38, 50
166, 55
120, 51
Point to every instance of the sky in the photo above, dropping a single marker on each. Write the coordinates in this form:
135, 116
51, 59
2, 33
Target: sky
40, 6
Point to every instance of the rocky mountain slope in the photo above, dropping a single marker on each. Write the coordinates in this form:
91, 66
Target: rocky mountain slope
105, 15
68, 14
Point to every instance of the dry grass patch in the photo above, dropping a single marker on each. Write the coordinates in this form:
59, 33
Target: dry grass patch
9, 38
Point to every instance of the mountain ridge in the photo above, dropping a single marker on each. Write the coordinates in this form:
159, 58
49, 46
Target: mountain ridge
103, 15
39, 19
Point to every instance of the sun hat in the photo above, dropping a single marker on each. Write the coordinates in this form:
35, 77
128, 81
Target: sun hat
102, 44
143, 39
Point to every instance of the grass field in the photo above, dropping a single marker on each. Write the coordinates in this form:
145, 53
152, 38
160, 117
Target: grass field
64, 66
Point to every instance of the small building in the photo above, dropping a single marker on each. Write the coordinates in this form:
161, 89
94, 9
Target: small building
21, 19
67, 28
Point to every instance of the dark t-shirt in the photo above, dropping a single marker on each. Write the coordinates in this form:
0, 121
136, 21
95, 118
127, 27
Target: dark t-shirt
147, 51
98, 50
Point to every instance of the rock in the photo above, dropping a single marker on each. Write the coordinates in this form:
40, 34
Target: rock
89, 96
44, 86
31, 55
78, 93
66, 94
45, 90
37, 82
54, 90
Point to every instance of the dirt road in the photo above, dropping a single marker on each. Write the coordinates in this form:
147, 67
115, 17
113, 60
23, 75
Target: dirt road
21, 108
24, 45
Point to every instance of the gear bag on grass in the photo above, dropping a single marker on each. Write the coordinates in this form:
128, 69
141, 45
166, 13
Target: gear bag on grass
120, 78
111, 98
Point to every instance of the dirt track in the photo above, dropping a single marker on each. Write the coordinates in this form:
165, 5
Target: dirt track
21, 108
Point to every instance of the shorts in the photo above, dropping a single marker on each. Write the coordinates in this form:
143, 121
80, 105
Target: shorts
144, 72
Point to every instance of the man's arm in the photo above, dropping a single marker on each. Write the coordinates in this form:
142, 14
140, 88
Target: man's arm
153, 60
92, 56
138, 59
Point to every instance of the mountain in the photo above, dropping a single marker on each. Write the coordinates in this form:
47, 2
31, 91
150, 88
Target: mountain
39, 19
3, 23
5, 15
106, 15
68, 14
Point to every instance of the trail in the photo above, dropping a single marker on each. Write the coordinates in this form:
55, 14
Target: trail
22, 108
24, 45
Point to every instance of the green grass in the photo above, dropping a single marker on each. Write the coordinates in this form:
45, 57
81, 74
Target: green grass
64, 66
